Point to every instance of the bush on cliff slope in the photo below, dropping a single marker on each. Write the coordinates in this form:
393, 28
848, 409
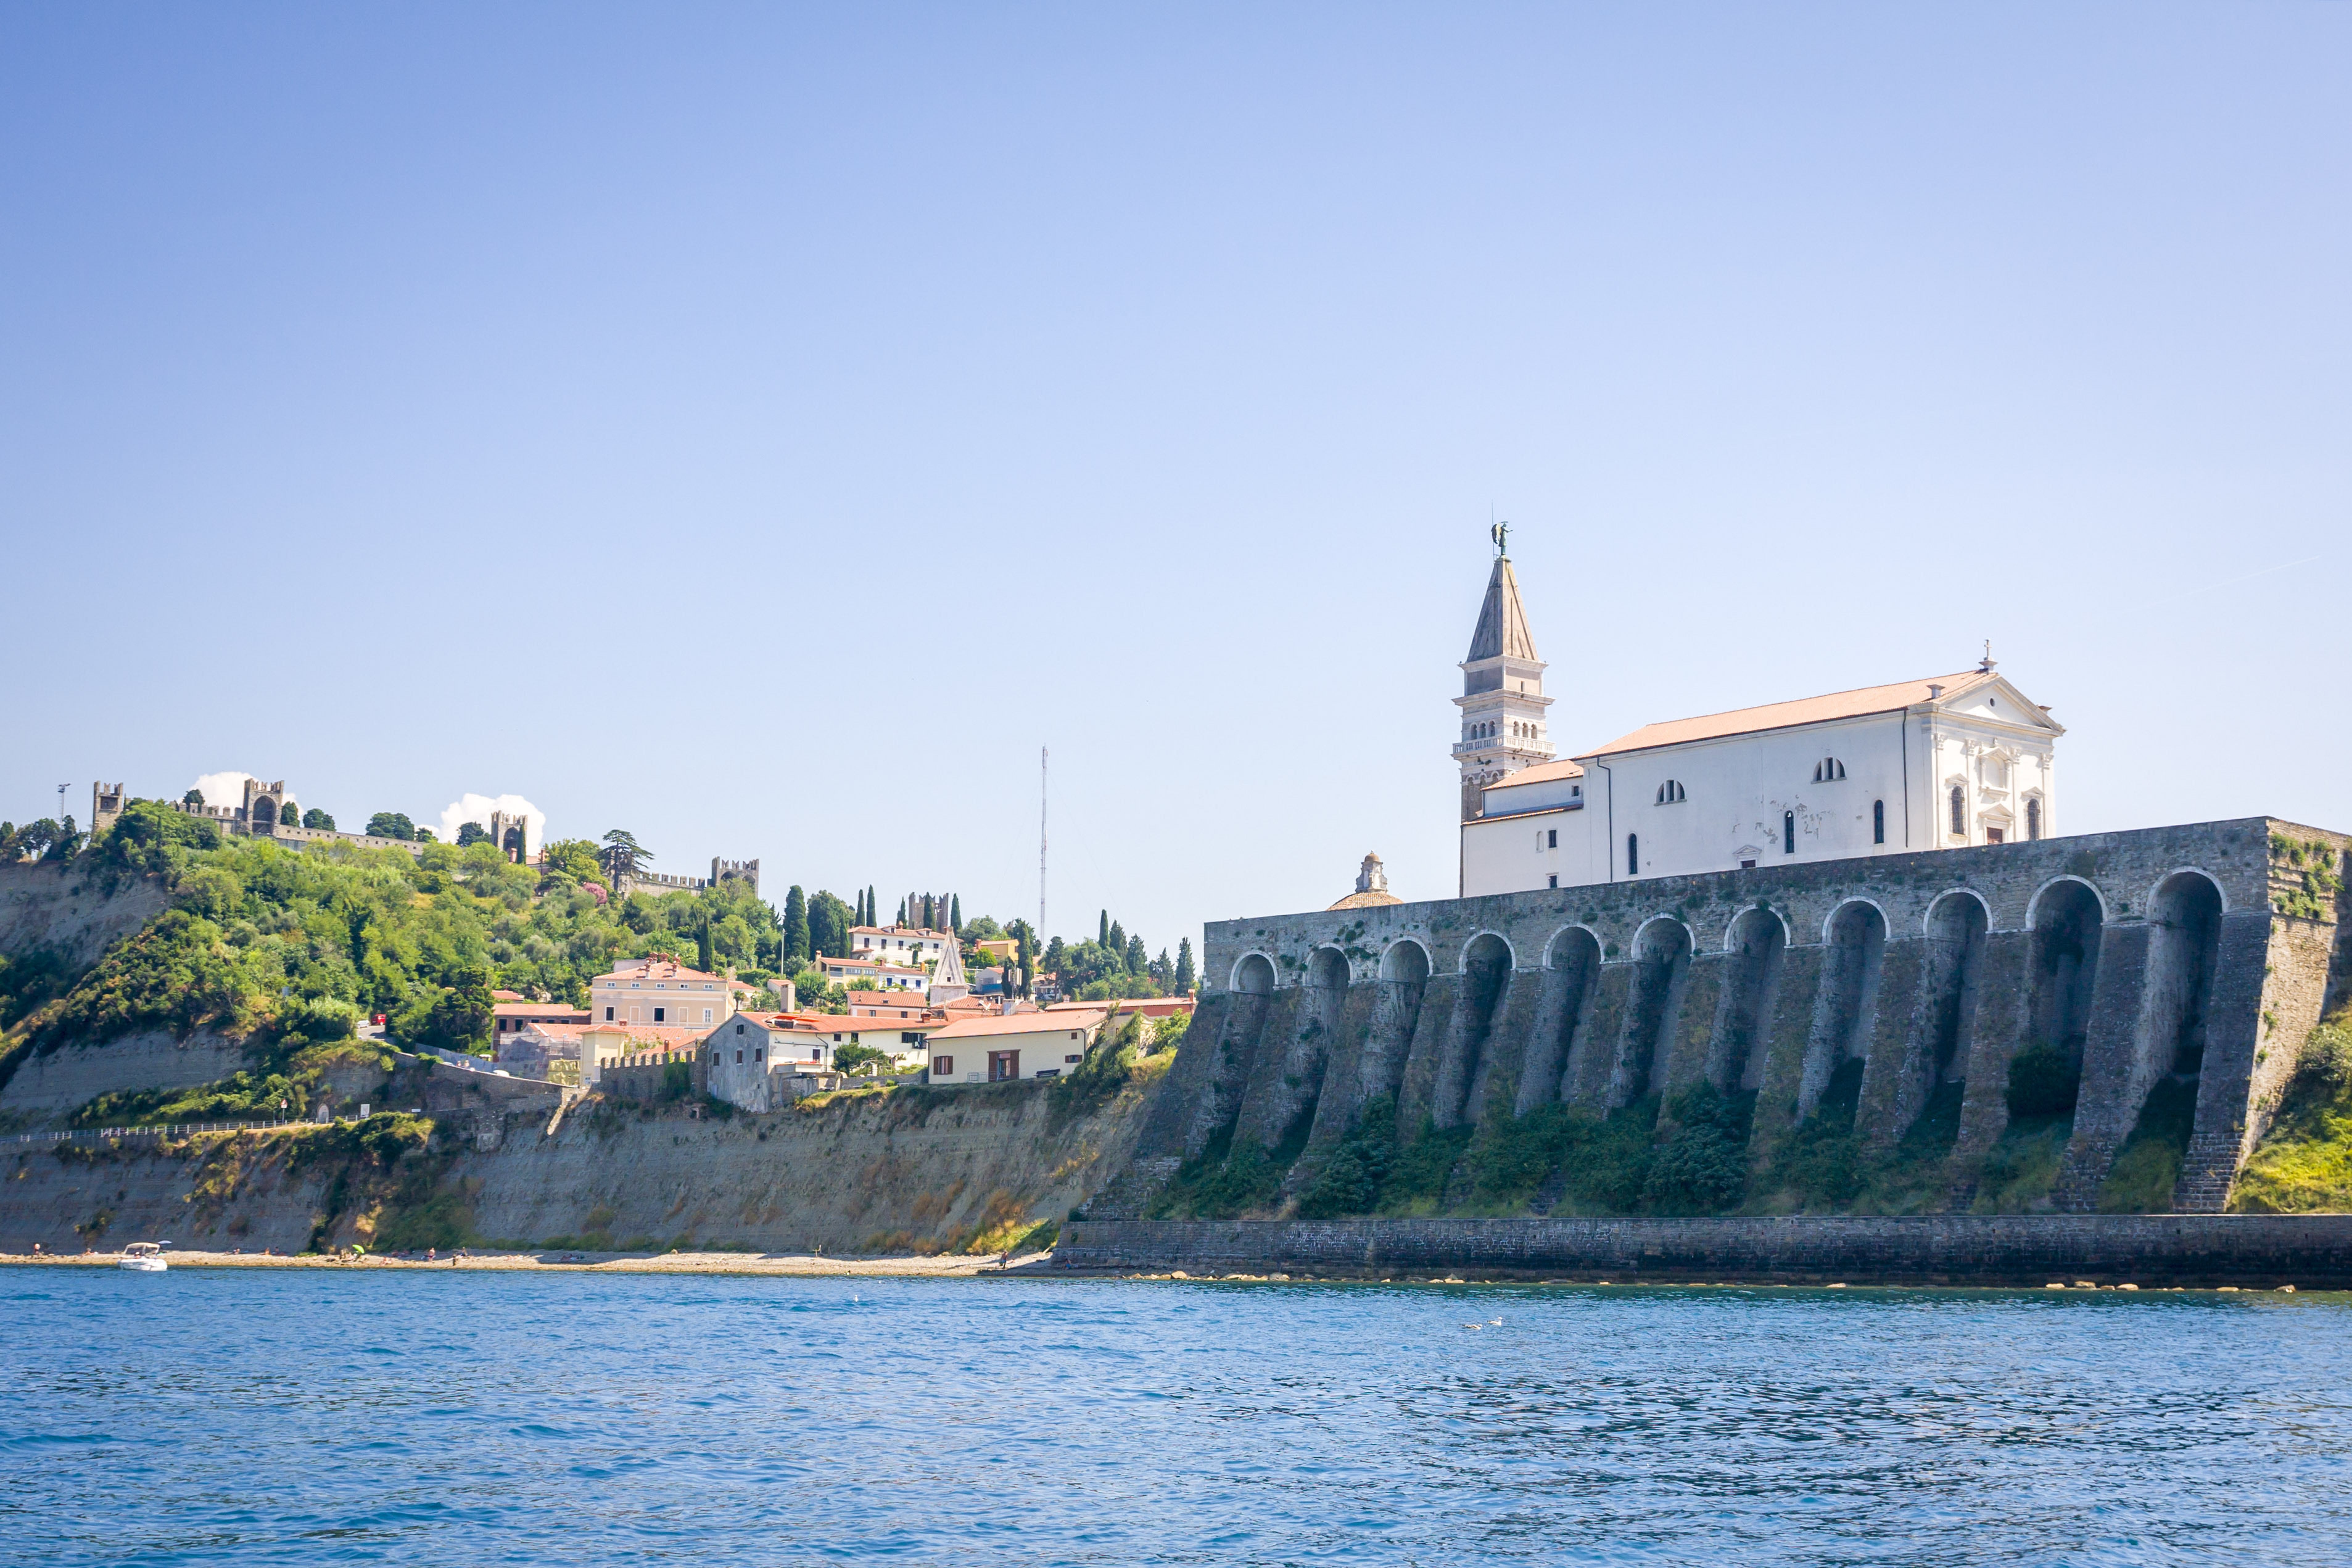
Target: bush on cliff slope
258, 928
2304, 1164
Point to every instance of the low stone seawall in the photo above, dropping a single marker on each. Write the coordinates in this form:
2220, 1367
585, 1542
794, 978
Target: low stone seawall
2309, 1251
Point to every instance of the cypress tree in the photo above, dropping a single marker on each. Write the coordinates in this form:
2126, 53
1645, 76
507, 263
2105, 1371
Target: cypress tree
931, 913
955, 913
902, 912
1184, 975
1114, 943
796, 927
1102, 933
873, 906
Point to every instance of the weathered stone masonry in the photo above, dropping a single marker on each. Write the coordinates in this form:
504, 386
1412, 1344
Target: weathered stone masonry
2149, 956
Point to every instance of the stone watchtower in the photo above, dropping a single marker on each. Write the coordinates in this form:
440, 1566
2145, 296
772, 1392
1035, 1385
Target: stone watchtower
1502, 700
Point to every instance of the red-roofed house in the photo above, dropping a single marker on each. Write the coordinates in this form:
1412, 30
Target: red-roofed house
660, 990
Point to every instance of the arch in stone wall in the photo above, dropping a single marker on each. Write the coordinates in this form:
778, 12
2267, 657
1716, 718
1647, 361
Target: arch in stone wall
2184, 912
1254, 974
1487, 963
1830, 920
2156, 892
1405, 959
1757, 941
1936, 1082
1845, 1008
1731, 928
1661, 957
1927, 921
2052, 889
1560, 1041
2066, 918
1511, 955
1326, 966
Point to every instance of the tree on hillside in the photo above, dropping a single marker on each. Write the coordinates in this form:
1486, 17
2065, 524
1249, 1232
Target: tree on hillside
385, 825
1163, 971
195, 798
955, 913
461, 1017
575, 858
1185, 977
829, 922
873, 906
1102, 932
1138, 961
1114, 945
317, 819
472, 833
796, 931
931, 913
1027, 957
623, 856
902, 912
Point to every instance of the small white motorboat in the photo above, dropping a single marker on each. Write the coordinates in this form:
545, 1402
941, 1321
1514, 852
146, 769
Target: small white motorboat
142, 1257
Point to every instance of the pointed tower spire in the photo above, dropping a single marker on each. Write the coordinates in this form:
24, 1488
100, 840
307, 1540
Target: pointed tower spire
1502, 700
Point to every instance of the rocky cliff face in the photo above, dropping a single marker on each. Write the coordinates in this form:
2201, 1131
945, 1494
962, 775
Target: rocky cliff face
898, 1172
77, 916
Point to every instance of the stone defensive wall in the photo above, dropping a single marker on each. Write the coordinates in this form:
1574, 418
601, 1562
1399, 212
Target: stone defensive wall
2306, 1251
2194, 954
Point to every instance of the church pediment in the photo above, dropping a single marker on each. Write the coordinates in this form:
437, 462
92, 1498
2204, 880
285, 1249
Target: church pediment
1998, 701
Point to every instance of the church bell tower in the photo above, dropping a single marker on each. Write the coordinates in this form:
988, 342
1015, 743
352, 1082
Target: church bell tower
1502, 700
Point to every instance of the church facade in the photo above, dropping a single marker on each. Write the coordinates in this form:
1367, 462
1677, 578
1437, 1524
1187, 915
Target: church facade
1946, 761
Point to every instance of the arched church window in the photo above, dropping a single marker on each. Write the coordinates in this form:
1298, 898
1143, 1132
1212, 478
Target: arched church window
1878, 822
1788, 833
1829, 770
1632, 853
1669, 793
1959, 809
2033, 818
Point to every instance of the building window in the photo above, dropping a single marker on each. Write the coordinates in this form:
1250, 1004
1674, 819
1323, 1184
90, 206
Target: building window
1788, 833
1555, 881
657, 1013
739, 1028
1632, 853
1960, 810
1829, 770
1552, 839
1878, 822
706, 1015
738, 1058
1669, 793
608, 1015
755, 1053
1074, 1058
943, 1065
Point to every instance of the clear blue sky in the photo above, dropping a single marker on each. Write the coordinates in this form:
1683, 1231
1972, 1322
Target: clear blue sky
763, 427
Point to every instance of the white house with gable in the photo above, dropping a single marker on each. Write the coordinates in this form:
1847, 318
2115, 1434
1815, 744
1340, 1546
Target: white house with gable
1943, 763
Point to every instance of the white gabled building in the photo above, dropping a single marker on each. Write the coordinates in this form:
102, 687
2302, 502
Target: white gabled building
1945, 763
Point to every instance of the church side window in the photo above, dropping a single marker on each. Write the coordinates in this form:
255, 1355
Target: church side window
1829, 770
1959, 809
1632, 853
1669, 793
1788, 833
1878, 822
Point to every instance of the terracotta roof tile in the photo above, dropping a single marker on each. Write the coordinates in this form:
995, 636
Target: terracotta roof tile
1781, 716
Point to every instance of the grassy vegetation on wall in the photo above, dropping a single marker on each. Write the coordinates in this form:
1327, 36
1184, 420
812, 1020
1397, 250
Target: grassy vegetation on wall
2304, 1164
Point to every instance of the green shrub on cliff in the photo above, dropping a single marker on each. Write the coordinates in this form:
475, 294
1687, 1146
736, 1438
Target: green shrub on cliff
2304, 1164
258, 929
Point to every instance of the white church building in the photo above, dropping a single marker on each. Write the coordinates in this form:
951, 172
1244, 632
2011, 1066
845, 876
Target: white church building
1942, 763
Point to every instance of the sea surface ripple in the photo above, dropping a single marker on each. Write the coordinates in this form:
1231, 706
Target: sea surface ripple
256, 1416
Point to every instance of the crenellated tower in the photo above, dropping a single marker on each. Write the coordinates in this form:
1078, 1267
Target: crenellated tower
1502, 701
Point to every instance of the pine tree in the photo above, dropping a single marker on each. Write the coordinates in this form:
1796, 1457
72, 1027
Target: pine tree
1114, 943
1184, 975
796, 929
1138, 961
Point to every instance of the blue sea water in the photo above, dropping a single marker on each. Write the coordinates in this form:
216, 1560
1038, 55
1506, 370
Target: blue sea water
250, 1417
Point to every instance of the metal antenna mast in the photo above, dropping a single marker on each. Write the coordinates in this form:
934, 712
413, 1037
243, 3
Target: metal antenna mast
1041, 846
